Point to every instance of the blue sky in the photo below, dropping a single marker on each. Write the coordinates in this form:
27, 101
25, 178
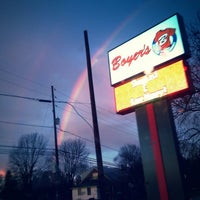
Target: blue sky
42, 44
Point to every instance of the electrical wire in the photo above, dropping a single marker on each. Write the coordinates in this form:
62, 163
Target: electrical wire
41, 126
49, 101
28, 98
22, 78
108, 147
101, 111
24, 124
6, 149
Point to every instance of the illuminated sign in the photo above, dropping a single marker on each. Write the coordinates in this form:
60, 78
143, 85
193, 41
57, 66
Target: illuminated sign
162, 82
155, 46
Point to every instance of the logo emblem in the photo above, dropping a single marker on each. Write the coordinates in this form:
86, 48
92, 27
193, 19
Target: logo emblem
164, 41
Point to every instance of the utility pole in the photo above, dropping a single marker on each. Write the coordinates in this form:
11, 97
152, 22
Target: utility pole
56, 144
55, 131
95, 122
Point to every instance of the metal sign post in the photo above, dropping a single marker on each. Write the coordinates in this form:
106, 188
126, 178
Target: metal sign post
163, 179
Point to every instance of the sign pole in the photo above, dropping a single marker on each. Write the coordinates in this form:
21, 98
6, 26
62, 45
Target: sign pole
169, 148
163, 179
155, 182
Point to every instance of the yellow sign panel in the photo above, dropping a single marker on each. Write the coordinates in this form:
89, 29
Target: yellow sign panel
159, 83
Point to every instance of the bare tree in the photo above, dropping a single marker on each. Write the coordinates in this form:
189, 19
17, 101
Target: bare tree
128, 156
74, 158
129, 159
186, 109
26, 158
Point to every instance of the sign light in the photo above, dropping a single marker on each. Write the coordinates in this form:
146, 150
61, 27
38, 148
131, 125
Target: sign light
155, 46
160, 83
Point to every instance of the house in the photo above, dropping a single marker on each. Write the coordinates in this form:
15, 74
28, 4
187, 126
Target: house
87, 189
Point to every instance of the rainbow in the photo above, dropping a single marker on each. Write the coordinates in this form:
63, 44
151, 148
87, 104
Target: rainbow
82, 78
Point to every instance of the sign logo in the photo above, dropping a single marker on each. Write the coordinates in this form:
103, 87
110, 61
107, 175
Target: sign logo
164, 41
157, 45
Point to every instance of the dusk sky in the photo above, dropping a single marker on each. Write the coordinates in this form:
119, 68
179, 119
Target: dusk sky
42, 45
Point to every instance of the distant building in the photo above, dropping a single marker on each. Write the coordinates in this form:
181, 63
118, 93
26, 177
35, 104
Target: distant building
87, 189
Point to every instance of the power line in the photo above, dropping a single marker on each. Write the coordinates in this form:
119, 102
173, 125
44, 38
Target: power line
103, 118
58, 101
24, 78
86, 139
76, 111
41, 126
40, 84
6, 149
48, 101
22, 97
24, 124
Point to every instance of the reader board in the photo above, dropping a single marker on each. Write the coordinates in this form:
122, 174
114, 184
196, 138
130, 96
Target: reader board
162, 82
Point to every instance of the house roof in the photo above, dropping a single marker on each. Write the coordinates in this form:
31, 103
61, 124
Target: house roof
113, 175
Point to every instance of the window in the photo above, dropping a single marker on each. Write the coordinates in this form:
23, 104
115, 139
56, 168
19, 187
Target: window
79, 191
94, 175
88, 191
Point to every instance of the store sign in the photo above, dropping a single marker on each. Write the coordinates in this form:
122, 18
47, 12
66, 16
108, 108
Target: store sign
155, 46
163, 82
